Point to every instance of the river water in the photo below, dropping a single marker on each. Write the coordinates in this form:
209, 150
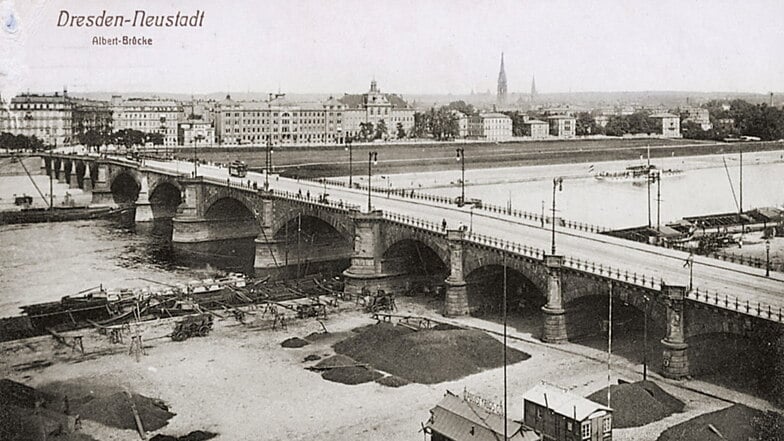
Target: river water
43, 262
705, 187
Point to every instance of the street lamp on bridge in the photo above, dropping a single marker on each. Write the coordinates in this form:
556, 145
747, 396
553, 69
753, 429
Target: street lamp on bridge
270, 151
767, 257
349, 140
557, 185
372, 160
461, 157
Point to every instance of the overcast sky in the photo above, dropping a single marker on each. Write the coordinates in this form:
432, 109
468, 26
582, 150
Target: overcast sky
410, 46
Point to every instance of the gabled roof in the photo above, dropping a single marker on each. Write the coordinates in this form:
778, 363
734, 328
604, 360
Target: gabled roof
563, 402
357, 101
458, 419
664, 115
535, 121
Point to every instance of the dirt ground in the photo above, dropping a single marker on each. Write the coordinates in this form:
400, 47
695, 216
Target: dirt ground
240, 383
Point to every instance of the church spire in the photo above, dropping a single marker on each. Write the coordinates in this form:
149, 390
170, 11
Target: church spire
502, 84
533, 88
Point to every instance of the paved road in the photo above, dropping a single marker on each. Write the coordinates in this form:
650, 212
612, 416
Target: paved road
715, 276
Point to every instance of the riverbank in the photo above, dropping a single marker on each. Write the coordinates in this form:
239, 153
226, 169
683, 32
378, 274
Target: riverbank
209, 382
310, 162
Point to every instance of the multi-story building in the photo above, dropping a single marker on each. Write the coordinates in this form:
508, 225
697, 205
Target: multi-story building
562, 126
670, 124
699, 116
278, 121
559, 415
536, 128
47, 117
490, 126
462, 123
195, 133
148, 116
373, 107
91, 115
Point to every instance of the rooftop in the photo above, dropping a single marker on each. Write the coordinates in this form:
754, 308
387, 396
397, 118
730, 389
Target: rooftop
459, 419
563, 402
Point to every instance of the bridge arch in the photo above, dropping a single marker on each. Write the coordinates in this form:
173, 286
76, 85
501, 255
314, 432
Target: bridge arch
125, 188
164, 199
485, 290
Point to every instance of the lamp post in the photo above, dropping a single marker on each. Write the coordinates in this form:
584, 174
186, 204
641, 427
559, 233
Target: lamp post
372, 160
557, 185
348, 148
270, 151
767, 257
645, 343
461, 157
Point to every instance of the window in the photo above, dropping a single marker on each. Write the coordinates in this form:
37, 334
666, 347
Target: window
569, 426
607, 424
538, 412
586, 430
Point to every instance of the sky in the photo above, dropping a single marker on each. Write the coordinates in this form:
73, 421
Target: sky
408, 46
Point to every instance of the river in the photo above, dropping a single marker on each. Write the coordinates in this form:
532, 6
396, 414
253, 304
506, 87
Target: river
43, 262
703, 188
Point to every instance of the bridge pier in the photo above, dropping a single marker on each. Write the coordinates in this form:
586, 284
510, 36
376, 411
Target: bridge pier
366, 270
61, 172
87, 181
143, 206
268, 259
73, 177
554, 328
102, 194
456, 302
675, 362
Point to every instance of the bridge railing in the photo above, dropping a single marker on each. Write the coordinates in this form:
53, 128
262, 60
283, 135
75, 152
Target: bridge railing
506, 245
414, 222
492, 208
606, 271
733, 303
324, 202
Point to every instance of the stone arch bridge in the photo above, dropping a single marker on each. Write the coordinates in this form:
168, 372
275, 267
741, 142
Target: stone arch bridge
389, 251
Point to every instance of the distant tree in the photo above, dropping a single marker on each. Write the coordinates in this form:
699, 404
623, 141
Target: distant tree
443, 124
157, 138
381, 130
401, 132
617, 126
366, 131
92, 138
586, 125
128, 137
421, 125
462, 107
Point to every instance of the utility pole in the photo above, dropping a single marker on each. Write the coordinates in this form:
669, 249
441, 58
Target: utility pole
350, 161
557, 184
461, 158
506, 437
372, 159
648, 174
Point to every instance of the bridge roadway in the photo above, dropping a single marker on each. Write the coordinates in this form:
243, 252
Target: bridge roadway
716, 277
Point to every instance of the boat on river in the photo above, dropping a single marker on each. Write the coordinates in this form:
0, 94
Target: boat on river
636, 173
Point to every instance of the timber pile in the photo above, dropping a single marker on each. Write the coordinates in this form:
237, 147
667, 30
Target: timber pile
638, 404
26, 413
115, 411
736, 422
196, 435
443, 353
294, 342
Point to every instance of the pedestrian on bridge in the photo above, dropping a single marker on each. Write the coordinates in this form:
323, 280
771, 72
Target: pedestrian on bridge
443, 224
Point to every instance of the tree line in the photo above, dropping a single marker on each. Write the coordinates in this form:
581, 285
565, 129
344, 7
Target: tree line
737, 118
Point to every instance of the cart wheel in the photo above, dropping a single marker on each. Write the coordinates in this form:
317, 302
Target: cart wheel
204, 330
178, 336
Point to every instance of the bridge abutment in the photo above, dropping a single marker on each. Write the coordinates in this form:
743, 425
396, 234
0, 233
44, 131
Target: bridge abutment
102, 193
456, 301
73, 177
675, 361
554, 326
61, 172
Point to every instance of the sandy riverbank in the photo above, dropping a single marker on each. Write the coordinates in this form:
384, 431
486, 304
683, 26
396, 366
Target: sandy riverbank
240, 383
